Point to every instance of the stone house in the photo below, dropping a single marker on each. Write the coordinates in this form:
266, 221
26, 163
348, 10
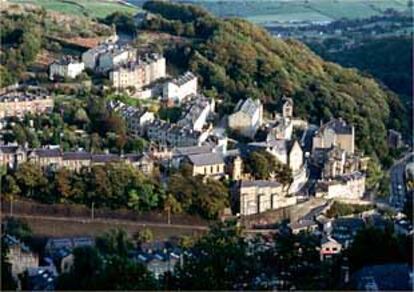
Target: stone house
247, 117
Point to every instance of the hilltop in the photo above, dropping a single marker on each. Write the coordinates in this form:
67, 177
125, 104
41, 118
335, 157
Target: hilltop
236, 59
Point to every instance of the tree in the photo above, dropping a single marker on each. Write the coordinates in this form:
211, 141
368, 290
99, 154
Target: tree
374, 247
7, 281
10, 189
114, 242
18, 228
30, 178
143, 236
63, 184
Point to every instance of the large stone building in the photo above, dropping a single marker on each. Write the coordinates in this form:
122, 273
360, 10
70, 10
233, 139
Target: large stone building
335, 133
346, 187
207, 164
12, 156
20, 102
108, 56
66, 67
140, 73
258, 196
247, 117
178, 89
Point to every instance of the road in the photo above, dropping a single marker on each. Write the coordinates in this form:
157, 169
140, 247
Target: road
397, 188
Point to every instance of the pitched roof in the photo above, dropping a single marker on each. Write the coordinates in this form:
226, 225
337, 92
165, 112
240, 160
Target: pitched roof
339, 126
249, 106
259, 183
206, 159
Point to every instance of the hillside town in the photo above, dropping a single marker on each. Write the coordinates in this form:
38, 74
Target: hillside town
118, 130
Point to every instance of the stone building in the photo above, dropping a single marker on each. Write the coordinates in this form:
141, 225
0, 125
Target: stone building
66, 67
346, 187
20, 102
196, 111
179, 88
285, 151
287, 109
173, 135
19, 256
258, 196
140, 73
335, 133
247, 117
207, 164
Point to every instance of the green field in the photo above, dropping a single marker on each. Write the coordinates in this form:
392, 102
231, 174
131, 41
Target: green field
91, 8
267, 11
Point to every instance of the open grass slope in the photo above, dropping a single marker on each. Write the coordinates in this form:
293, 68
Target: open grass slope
90, 8
267, 11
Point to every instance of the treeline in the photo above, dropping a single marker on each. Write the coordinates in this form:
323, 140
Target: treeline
239, 59
23, 41
118, 185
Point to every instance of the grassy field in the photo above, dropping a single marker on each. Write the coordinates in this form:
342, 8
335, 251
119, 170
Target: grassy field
267, 11
91, 8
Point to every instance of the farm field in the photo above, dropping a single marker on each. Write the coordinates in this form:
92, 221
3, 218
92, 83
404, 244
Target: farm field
267, 11
91, 8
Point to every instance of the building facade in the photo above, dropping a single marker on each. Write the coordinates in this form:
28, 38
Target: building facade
66, 67
247, 117
144, 71
258, 196
19, 103
179, 88
335, 133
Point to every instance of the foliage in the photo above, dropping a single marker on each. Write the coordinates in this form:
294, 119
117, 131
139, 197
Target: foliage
263, 165
374, 246
112, 185
239, 59
123, 22
7, 281
341, 209
107, 267
226, 260
196, 195
143, 236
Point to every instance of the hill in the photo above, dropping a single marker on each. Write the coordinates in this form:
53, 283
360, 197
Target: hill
238, 59
90, 8
267, 12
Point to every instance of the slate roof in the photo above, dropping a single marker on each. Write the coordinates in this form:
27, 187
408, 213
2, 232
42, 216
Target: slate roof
259, 183
187, 76
249, 106
206, 159
47, 152
338, 125
192, 150
76, 155
104, 158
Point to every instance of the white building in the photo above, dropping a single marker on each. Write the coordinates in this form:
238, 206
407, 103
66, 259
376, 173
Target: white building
179, 88
247, 117
144, 71
66, 67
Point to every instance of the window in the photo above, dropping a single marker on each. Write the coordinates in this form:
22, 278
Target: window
327, 249
334, 249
